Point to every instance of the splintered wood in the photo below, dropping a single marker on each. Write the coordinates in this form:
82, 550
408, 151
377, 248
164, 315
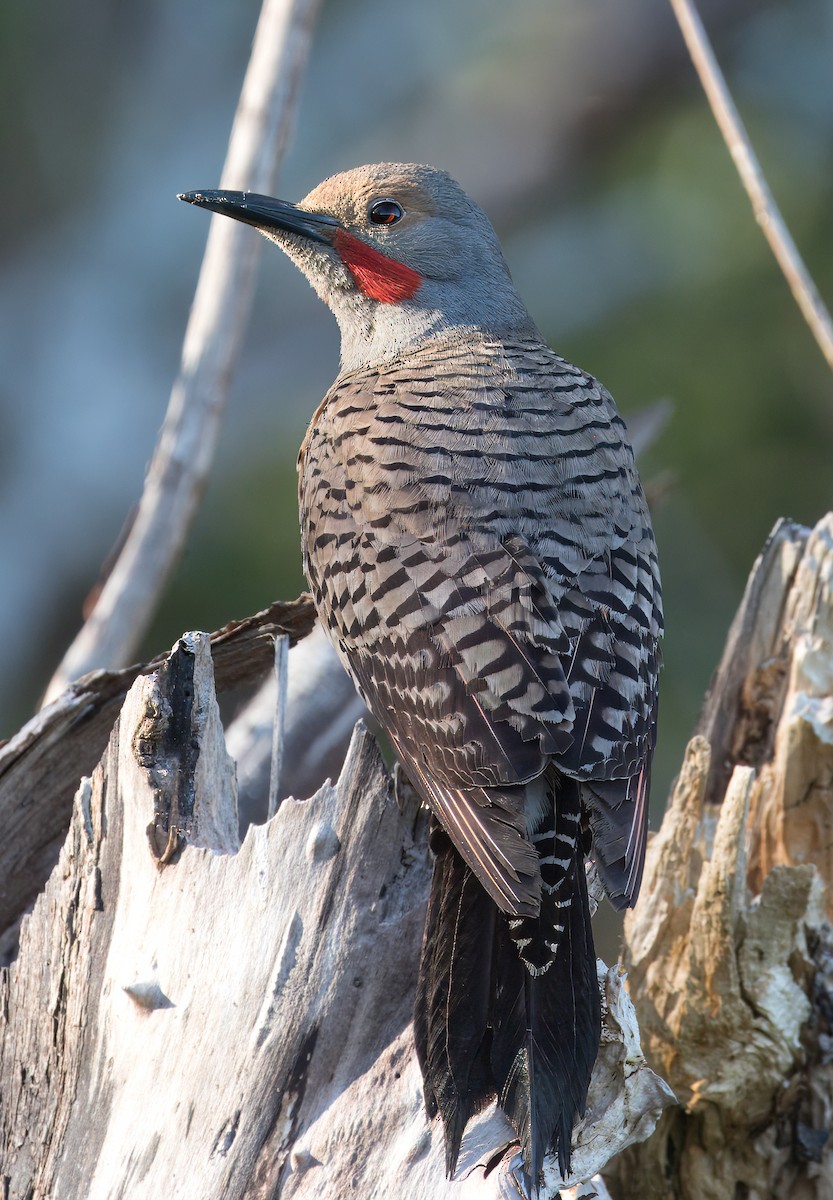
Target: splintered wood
40, 767
729, 952
173, 1020
192, 1018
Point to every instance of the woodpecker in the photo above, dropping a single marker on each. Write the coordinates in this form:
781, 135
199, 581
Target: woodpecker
480, 551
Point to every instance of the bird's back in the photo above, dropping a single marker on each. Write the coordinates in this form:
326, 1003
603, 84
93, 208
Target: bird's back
479, 547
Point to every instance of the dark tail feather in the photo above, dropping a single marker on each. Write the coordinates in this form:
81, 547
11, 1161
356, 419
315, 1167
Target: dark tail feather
547, 1024
451, 1015
510, 1006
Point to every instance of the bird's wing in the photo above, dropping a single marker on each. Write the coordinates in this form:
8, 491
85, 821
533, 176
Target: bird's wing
611, 609
474, 707
470, 536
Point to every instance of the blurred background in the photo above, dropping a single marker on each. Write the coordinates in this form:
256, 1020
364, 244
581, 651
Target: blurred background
580, 128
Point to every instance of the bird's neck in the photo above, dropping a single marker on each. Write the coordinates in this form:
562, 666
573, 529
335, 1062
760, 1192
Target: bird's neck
374, 333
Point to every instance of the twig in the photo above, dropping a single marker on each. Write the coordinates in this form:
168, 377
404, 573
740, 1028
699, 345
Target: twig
279, 727
185, 449
764, 207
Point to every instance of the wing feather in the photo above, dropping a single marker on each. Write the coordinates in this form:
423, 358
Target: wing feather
480, 550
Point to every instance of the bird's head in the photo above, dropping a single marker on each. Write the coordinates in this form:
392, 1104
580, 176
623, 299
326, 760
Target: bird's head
399, 252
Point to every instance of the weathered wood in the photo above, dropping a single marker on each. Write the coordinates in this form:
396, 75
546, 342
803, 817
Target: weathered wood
176, 478
261, 995
40, 768
322, 707
735, 725
222, 985
730, 950
190, 1019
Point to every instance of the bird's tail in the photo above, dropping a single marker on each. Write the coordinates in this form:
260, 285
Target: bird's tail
510, 1007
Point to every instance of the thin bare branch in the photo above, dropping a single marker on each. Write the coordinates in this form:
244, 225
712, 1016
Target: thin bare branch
764, 207
185, 449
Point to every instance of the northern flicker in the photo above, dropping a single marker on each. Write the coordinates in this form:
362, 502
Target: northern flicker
478, 544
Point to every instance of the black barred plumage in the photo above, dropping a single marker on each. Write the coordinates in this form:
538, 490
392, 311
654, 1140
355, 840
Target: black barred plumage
496, 598
481, 554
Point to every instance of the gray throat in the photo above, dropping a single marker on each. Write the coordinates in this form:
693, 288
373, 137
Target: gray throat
373, 333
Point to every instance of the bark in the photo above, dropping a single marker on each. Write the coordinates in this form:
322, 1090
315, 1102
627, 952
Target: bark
730, 950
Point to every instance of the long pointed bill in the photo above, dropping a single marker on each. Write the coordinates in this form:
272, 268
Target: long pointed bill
264, 212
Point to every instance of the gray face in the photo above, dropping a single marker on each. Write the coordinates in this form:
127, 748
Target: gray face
442, 235
454, 274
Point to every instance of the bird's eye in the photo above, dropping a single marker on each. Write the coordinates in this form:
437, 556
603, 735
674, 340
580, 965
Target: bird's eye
385, 212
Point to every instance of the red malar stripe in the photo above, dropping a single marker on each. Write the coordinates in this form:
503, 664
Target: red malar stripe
378, 276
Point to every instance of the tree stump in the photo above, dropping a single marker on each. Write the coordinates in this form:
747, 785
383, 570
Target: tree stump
730, 951
195, 1017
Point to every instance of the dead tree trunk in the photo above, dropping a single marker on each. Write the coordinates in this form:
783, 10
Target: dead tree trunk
192, 1017
730, 953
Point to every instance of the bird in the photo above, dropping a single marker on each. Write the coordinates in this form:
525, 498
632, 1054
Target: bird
480, 552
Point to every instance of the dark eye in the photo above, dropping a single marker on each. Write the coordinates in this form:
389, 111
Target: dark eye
385, 212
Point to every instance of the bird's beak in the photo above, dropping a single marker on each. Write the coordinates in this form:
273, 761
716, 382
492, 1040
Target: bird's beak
264, 212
